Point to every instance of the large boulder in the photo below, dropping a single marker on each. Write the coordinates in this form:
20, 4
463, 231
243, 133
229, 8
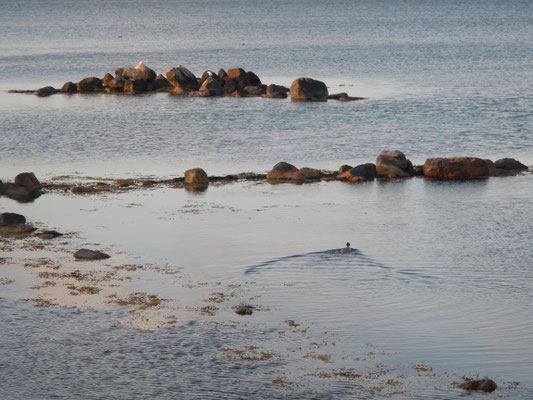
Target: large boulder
183, 78
8, 219
276, 92
456, 168
360, 173
196, 176
238, 79
509, 164
393, 164
89, 255
69, 87
92, 84
307, 89
45, 91
139, 72
29, 180
285, 171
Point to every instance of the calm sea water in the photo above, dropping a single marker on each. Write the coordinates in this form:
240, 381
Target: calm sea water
443, 272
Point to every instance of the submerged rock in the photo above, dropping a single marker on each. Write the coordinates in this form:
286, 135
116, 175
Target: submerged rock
456, 168
485, 385
244, 310
49, 234
285, 171
196, 176
343, 97
393, 164
307, 89
86, 254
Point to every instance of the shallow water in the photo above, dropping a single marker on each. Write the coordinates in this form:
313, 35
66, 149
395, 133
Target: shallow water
440, 283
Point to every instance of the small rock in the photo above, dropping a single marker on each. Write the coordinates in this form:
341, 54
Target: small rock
285, 171
45, 91
183, 78
311, 173
196, 176
360, 173
92, 84
244, 310
86, 254
106, 79
69, 87
49, 234
19, 193
28, 180
10, 219
509, 164
276, 92
344, 168
393, 164
485, 385
139, 72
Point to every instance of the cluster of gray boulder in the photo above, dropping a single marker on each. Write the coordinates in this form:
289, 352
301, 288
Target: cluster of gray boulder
180, 81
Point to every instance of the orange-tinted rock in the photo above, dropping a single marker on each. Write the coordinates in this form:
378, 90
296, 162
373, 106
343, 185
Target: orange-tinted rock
139, 72
360, 173
106, 79
183, 78
212, 87
92, 84
69, 87
28, 180
307, 89
285, 171
456, 168
196, 176
393, 164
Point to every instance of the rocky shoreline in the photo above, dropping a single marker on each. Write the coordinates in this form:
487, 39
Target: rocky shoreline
179, 81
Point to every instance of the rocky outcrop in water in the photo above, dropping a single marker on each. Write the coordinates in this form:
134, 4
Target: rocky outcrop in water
14, 225
28, 180
69, 87
307, 89
484, 385
92, 84
45, 91
456, 168
139, 72
196, 176
276, 92
393, 164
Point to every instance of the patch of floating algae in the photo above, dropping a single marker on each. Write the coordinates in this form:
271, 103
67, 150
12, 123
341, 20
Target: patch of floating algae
248, 353
140, 301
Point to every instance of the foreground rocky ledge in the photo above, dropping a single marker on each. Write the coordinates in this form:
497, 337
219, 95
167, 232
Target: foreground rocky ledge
179, 81
390, 165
